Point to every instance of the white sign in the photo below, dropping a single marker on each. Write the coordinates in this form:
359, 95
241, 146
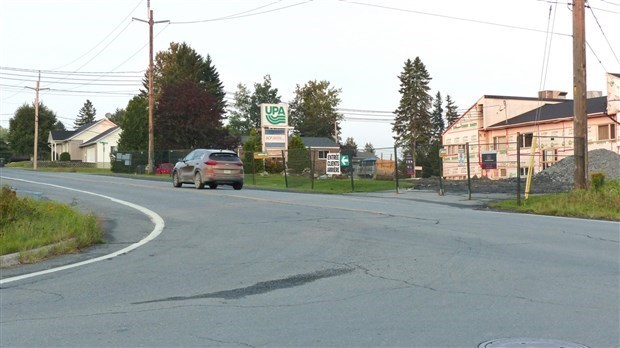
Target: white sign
333, 163
274, 115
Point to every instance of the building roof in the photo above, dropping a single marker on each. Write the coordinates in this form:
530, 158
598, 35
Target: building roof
67, 135
549, 112
315, 142
100, 136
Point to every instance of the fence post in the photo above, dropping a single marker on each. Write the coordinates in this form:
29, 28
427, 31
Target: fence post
518, 169
285, 173
312, 166
351, 174
253, 169
396, 167
468, 171
440, 176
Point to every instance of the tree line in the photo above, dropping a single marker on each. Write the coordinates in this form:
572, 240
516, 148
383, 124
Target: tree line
191, 111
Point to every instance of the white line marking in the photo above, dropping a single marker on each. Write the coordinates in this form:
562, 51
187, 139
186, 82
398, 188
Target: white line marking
155, 218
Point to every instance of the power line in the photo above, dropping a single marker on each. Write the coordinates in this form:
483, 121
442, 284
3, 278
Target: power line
65, 72
102, 40
243, 14
605, 36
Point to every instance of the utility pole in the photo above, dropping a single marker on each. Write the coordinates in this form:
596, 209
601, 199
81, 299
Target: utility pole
36, 122
150, 166
580, 122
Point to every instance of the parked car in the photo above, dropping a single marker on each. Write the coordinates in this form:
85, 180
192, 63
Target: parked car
164, 168
209, 167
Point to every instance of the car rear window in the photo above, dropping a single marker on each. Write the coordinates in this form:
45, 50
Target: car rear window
231, 157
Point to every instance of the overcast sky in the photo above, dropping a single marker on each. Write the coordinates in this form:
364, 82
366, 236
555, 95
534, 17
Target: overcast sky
470, 48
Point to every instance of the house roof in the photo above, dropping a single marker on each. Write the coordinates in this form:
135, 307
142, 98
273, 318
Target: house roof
616, 75
549, 112
67, 135
100, 136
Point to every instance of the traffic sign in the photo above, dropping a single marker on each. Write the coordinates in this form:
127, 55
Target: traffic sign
344, 161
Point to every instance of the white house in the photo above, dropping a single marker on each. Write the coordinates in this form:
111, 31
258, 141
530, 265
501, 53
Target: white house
91, 143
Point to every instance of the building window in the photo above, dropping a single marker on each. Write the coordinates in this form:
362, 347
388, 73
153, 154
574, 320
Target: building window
526, 140
523, 171
549, 158
323, 154
499, 143
502, 173
607, 132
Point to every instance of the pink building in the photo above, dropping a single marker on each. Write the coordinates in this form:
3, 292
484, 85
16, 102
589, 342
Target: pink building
490, 128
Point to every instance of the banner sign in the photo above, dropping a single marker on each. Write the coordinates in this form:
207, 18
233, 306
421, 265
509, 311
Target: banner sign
489, 160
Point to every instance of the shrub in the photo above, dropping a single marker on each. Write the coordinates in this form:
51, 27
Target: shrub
598, 181
65, 156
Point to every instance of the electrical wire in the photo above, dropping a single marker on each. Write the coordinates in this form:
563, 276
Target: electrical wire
243, 14
605, 36
102, 40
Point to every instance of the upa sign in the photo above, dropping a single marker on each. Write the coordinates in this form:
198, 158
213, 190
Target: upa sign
274, 115
333, 163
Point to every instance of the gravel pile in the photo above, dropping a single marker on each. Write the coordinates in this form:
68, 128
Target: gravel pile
557, 178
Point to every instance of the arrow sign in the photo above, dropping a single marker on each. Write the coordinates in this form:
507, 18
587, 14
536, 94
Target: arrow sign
344, 160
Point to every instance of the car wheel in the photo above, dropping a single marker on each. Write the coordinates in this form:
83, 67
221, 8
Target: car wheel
212, 186
175, 180
198, 181
238, 186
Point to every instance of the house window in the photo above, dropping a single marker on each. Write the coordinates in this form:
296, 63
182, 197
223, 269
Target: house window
523, 171
323, 154
502, 173
526, 140
607, 132
499, 143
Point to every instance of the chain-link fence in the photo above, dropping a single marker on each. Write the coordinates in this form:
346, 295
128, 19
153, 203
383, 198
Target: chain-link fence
136, 161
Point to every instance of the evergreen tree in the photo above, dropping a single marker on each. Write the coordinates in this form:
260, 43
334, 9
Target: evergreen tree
437, 117
451, 113
86, 115
349, 149
252, 144
313, 110
369, 148
117, 116
412, 123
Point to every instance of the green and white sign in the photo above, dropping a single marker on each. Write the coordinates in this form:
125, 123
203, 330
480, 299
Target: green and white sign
344, 160
274, 115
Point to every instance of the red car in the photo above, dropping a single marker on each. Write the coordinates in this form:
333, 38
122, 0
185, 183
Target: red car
164, 168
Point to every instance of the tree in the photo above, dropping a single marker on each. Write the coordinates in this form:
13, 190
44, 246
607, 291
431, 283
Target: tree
86, 115
5, 151
298, 155
117, 116
188, 117
246, 113
412, 123
21, 130
369, 148
313, 110
252, 144
190, 101
437, 118
451, 113
135, 131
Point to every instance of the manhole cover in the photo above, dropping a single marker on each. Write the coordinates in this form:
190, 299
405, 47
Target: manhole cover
528, 343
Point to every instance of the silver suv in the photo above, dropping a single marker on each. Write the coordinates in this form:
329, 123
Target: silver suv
209, 167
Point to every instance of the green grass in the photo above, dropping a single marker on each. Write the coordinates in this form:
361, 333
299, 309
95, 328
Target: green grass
601, 204
27, 224
330, 185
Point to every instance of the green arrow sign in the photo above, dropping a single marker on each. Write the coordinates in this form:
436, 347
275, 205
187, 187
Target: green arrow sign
344, 160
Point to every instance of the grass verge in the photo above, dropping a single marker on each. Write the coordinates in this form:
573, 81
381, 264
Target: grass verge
27, 224
601, 204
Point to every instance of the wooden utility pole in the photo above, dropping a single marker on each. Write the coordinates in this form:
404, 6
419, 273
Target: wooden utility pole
150, 168
580, 123
36, 122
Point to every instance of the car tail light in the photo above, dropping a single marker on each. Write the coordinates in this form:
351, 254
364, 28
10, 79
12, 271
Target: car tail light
239, 164
211, 162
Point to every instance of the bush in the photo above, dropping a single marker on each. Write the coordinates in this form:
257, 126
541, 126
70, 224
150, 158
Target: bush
65, 156
598, 181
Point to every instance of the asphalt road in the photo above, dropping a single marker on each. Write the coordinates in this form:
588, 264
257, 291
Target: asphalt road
262, 268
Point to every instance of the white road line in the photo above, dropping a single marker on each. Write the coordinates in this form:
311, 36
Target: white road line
155, 218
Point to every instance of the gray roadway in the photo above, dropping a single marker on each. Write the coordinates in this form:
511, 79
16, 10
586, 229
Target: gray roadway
263, 268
